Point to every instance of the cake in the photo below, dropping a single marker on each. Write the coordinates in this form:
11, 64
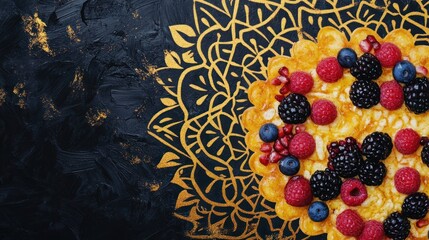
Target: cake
338, 134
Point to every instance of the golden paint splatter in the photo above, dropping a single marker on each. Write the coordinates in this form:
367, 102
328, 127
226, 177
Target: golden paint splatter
35, 27
153, 186
19, 90
151, 71
72, 34
135, 160
96, 117
77, 83
2, 96
50, 110
136, 14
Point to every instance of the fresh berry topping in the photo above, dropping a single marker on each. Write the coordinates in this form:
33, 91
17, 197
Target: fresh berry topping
372, 172
422, 70
377, 146
279, 98
264, 159
346, 157
415, 206
289, 165
373, 230
404, 71
388, 54
407, 141
425, 154
371, 39
268, 132
284, 89
274, 157
416, 95
376, 45
349, 223
407, 180
364, 94
323, 112
396, 226
284, 71
353, 192
318, 211
391, 95
367, 67
298, 192
329, 70
266, 147
294, 109
346, 57
325, 185
300, 82
424, 140
302, 145
365, 46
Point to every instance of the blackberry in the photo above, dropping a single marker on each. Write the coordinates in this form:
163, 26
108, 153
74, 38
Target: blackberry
396, 226
325, 185
416, 95
366, 68
364, 94
377, 146
345, 157
294, 109
425, 154
372, 172
415, 206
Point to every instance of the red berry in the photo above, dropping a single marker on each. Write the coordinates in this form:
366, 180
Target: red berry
298, 192
391, 95
349, 223
300, 82
329, 70
302, 145
388, 54
323, 112
371, 39
422, 70
373, 230
284, 71
284, 89
407, 141
264, 159
353, 192
279, 98
365, 46
274, 157
407, 180
266, 147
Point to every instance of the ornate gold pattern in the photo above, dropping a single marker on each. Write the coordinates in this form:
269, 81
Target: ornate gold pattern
207, 79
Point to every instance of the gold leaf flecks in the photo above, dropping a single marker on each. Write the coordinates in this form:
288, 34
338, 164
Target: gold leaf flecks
168, 102
35, 27
185, 199
72, 34
172, 59
178, 30
2, 96
188, 57
201, 100
168, 160
77, 83
96, 118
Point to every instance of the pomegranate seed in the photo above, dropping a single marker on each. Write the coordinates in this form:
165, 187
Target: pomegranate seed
266, 147
284, 152
284, 89
284, 71
422, 70
278, 146
424, 140
289, 137
299, 128
422, 223
365, 46
264, 159
330, 166
276, 81
284, 141
283, 79
279, 97
275, 157
281, 133
376, 45
342, 142
371, 39
288, 128
359, 146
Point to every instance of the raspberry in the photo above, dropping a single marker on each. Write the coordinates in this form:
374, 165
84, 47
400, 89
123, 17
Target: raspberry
298, 192
353, 192
302, 145
349, 223
391, 95
407, 141
388, 54
373, 230
407, 180
323, 112
329, 70
300, 82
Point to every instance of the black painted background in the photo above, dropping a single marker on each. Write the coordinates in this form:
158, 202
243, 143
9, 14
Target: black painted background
62, 178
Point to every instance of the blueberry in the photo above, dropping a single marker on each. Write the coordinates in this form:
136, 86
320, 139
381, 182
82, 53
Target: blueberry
289, 165
404, 71
346, 57
268, 132
318, 211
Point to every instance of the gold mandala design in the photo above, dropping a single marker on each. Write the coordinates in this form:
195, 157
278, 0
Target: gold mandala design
207, 76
